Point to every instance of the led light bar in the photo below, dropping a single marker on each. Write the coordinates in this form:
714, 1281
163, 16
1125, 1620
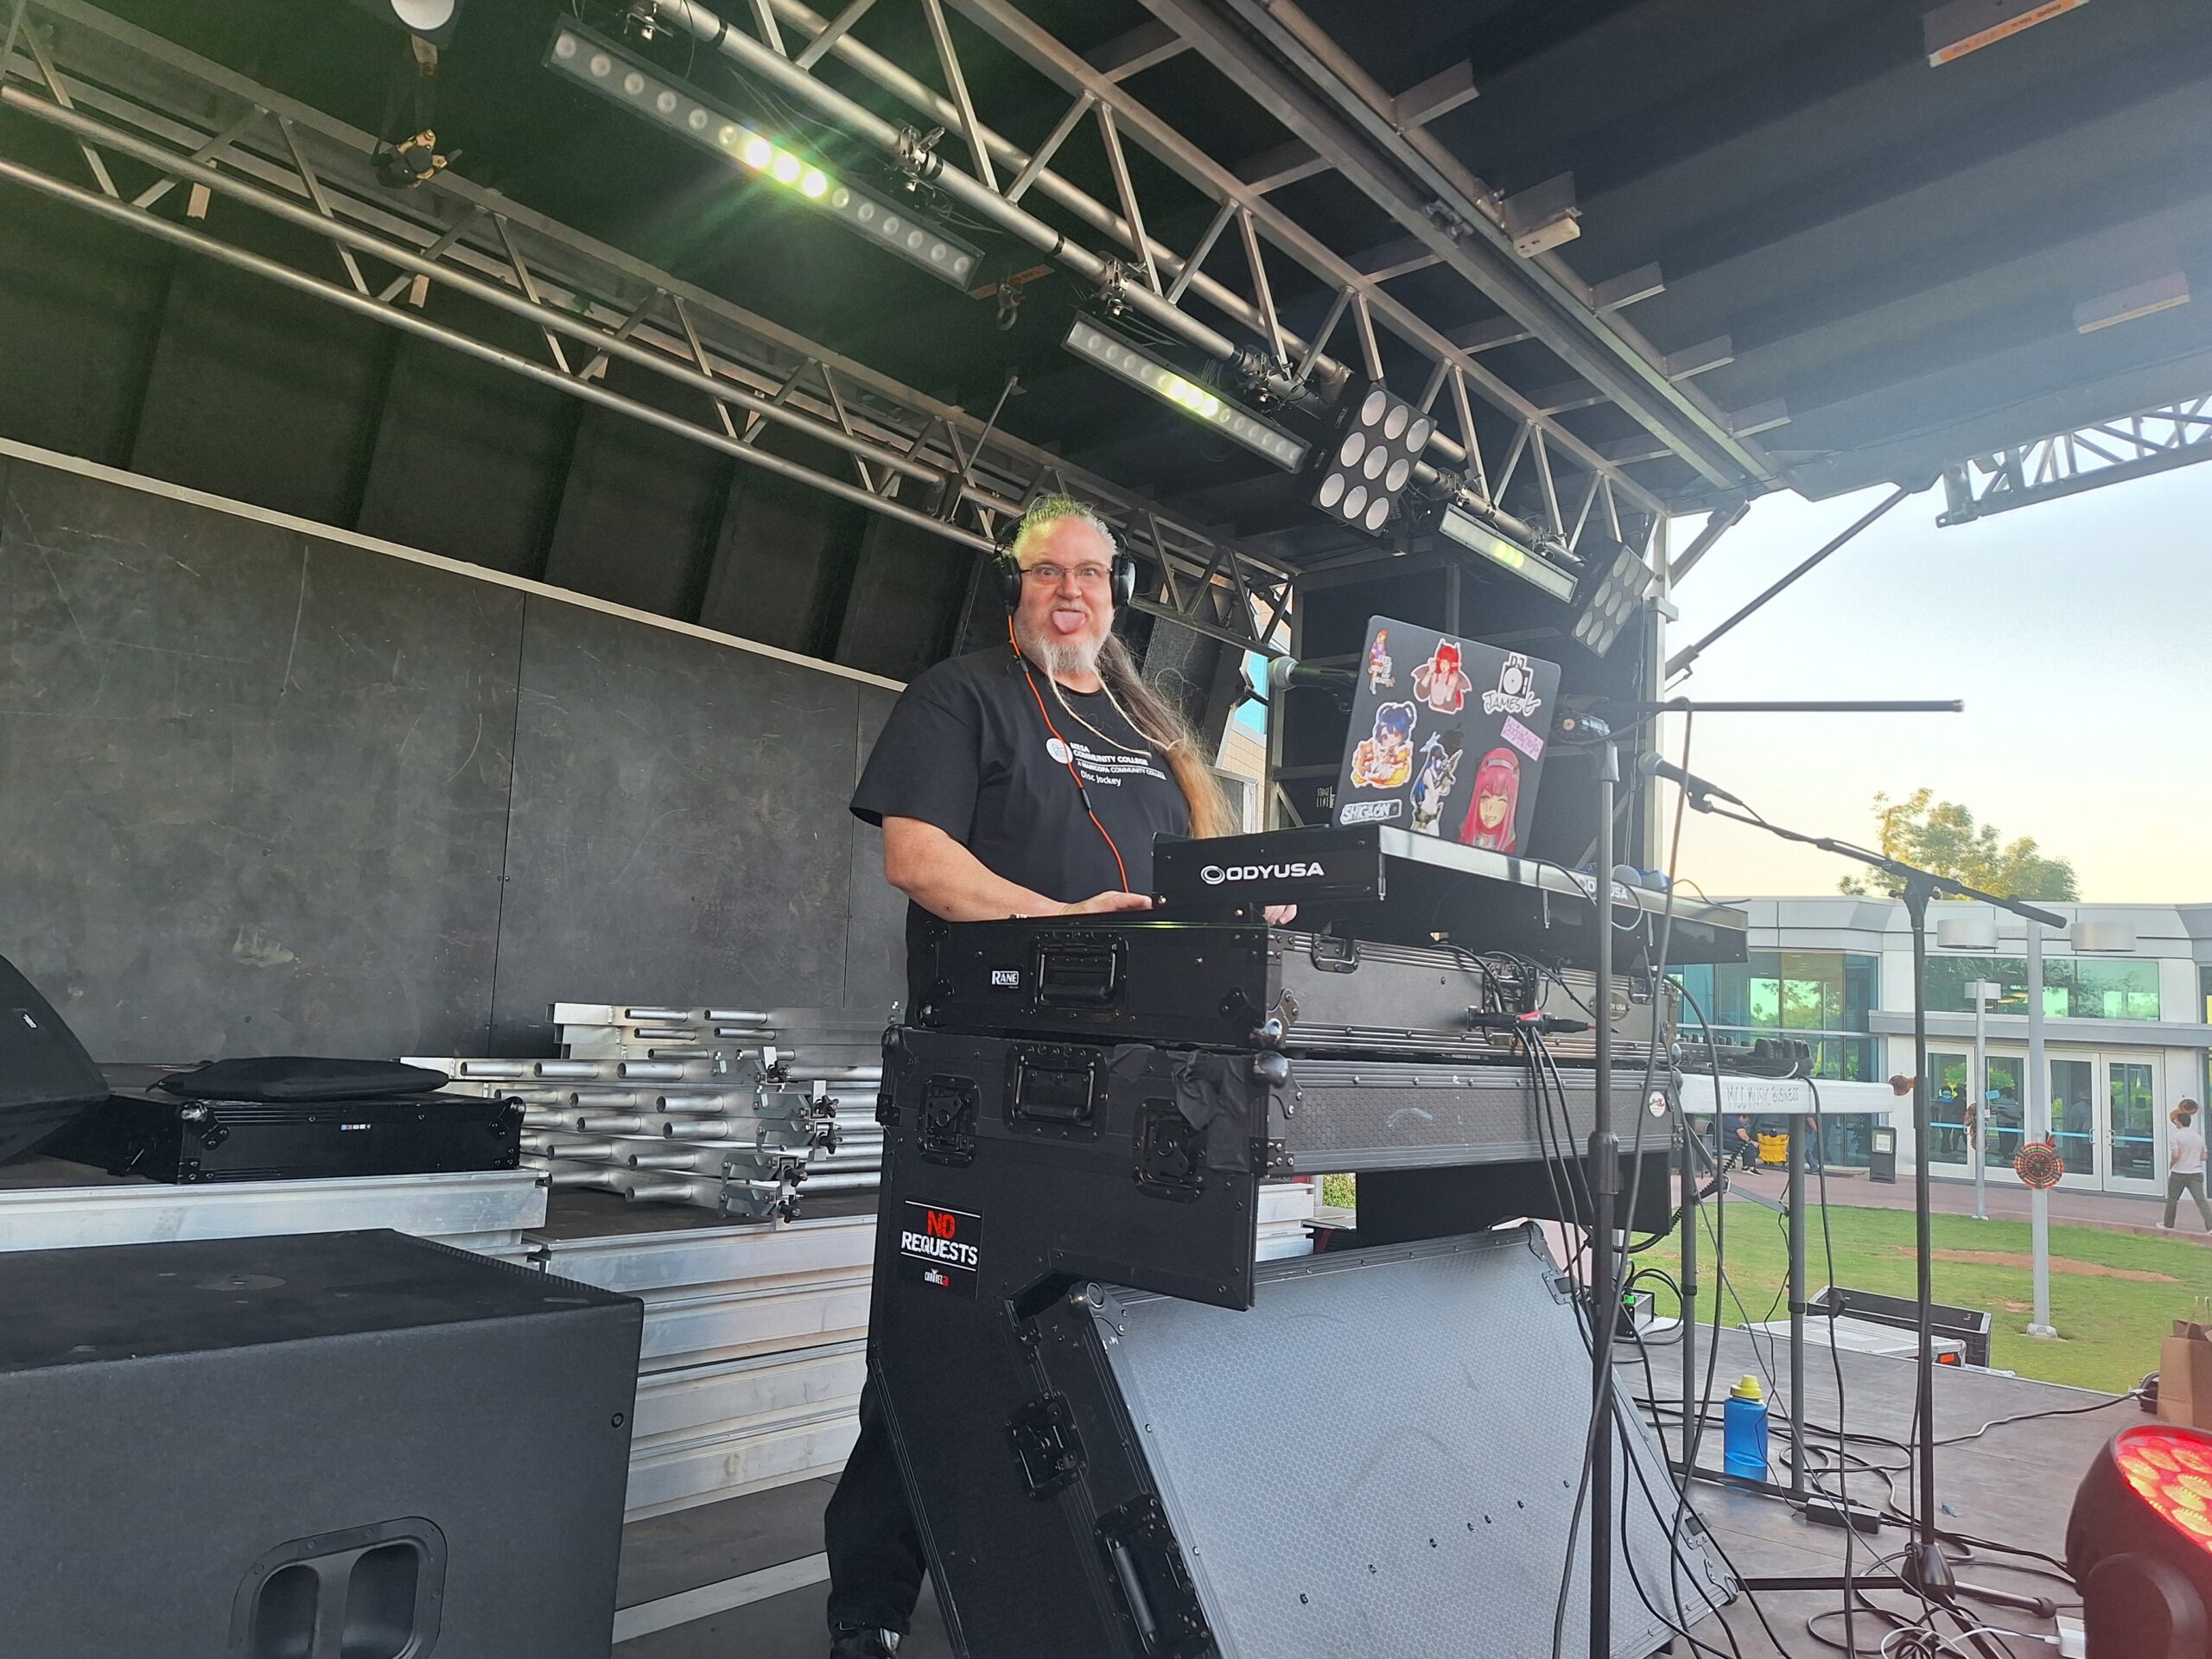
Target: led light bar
1087, 339
1473, 534
621, 77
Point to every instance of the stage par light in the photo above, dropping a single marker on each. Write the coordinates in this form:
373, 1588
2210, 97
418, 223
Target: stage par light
1369, 460
1137, 367
622, 77
1612, 597
2139, 1544
434, 20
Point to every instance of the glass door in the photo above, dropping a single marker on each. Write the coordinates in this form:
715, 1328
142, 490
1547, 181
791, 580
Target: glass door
2005, 1113
2073, 1119
1949, 1074
2131, 1129
1954, 1120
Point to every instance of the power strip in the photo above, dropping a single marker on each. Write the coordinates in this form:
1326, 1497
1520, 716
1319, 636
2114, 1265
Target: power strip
1827, 1512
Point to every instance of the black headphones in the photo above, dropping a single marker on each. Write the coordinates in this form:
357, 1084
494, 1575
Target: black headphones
1123, 581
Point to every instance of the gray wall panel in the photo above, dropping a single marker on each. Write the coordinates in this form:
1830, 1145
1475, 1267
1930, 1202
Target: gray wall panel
253, 790
259, 793
876, 949
679, 824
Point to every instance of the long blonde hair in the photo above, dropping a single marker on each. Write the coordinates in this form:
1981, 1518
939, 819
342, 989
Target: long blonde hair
1157, 720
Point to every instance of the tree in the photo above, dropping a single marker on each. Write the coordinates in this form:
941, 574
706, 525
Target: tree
1942, 836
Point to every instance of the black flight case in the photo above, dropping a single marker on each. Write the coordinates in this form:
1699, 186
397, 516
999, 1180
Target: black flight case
1244, 985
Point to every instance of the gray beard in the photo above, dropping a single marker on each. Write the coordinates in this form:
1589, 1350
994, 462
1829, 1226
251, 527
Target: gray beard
1060, 658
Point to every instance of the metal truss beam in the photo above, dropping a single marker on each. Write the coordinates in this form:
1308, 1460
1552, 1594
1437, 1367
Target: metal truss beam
2088, 458
1454, 212
1235, 195
126, 97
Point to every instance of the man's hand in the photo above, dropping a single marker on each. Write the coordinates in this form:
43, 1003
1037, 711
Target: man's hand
1100, 904
1281, 915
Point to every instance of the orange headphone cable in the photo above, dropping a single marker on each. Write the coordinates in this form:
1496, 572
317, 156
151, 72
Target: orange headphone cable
1029, 674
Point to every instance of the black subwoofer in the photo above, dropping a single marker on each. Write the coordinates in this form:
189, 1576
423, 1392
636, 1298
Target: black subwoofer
345, 1445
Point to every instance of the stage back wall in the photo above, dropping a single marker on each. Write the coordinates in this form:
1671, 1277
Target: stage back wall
263, 792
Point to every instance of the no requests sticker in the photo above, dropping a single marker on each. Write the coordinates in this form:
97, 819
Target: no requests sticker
940, 1249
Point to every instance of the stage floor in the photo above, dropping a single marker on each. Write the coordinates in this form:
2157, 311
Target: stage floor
746, 1577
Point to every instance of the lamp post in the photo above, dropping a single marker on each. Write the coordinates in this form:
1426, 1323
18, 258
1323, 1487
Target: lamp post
2038, 1128
1982, 991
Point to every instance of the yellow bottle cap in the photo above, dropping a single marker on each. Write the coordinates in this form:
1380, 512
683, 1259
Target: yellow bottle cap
1748, 1389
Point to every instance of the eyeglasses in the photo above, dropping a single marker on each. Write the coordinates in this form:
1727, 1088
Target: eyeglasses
1051, 575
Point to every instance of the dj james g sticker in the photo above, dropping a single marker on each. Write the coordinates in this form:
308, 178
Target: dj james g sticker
940, 1249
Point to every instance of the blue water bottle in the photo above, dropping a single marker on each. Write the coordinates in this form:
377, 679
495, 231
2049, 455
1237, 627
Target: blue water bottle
1744, 1441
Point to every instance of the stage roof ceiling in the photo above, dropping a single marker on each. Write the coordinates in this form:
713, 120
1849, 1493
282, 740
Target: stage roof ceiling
1801, 256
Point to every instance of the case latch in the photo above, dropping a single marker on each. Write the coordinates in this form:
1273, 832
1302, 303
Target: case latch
1044, 1439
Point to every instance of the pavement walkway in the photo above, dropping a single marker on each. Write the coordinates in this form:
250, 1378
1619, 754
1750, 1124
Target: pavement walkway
2120, 1212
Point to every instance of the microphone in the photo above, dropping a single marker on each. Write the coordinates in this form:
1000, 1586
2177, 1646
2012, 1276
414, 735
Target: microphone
1654, 766
1283, 671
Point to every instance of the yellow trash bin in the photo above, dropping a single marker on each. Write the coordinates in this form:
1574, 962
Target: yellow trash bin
1774, 1149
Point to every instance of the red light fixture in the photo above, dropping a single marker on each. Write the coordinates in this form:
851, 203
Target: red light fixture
2139, 1545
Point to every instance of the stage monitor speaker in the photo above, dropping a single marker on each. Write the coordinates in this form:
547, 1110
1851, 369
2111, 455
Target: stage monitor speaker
45, 1077
1380, 1457
342, 1445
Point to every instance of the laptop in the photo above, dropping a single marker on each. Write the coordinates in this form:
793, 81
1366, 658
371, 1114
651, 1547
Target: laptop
1447, 736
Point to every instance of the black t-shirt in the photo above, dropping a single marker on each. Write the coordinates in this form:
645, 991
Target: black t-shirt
967, 749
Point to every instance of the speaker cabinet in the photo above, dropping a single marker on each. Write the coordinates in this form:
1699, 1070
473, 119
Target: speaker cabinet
343, 1446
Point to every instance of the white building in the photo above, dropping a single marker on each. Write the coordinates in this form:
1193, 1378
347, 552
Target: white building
2127, 993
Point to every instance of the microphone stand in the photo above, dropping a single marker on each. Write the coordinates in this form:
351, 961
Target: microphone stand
1584, 727
1926, 1571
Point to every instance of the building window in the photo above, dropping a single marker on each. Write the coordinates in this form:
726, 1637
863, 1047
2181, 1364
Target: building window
1821, 997
2074, 988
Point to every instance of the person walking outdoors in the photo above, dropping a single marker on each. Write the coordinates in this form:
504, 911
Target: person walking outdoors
2185, 1165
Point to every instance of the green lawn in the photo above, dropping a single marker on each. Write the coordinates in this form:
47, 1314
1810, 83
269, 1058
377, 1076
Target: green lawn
2109, 1327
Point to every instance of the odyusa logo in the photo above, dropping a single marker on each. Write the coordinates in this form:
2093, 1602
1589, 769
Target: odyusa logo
1213, 875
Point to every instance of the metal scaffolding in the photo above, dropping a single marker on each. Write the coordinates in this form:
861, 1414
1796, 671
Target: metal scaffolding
1575, 484
2087, 458
125, 95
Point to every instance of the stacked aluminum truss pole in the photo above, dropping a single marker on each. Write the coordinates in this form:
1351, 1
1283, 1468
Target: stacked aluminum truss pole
740, 1111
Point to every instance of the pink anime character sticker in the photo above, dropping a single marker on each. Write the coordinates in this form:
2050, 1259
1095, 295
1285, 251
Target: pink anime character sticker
1440, 682
1497, 794
1384, 760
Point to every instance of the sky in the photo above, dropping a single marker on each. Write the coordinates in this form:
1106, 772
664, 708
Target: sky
2075, 631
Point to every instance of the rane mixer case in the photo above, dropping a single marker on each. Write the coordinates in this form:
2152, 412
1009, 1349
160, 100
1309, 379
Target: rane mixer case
1124, 1439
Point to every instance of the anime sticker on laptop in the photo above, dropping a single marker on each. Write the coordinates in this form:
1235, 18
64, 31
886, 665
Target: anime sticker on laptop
1439, 765
1379, 677
1384, 758
1440, 683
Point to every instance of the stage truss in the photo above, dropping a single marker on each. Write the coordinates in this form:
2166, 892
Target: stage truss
2088, 458
1453, 221
140, 108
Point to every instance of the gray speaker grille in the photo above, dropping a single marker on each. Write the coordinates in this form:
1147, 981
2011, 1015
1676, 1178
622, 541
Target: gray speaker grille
1380, 1457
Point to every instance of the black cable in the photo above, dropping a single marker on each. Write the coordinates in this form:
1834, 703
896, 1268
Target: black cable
1836, 1363
1694, 1427
2030, 1416
1673, 1543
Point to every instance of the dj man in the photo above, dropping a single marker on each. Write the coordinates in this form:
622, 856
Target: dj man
1026, 779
